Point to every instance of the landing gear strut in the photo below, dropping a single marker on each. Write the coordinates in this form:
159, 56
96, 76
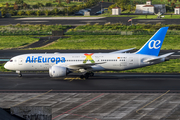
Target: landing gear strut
19, 73
87, 75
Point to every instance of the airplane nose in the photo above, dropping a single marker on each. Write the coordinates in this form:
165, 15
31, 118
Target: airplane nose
6, 66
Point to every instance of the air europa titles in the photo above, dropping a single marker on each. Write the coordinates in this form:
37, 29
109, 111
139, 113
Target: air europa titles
40, 59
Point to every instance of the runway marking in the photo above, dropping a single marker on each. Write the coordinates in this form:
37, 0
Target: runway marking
60, 18
78, 106
175, 55
137, 111
34, 21
32, 98
71, 79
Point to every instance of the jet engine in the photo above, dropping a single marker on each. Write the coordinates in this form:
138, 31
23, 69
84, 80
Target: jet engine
58, 71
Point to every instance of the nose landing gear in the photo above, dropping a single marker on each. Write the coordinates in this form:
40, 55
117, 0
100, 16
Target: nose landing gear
19, 73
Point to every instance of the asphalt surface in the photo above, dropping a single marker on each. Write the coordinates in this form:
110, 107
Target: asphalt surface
75, 21
101, 82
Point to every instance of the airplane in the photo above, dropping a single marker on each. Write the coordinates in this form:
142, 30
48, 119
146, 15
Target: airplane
61, 64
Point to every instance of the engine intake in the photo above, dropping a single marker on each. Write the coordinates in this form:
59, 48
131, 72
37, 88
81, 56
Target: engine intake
58, 71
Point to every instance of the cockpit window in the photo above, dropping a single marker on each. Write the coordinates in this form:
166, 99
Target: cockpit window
11, 61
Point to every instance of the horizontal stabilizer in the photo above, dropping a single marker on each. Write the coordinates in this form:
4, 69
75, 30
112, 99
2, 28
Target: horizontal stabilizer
121, 51
158, 58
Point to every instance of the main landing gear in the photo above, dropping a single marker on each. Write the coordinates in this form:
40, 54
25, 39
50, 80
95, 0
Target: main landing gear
19, 73
87, 75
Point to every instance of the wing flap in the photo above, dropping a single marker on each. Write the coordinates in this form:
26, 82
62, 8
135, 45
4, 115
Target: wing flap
87, 65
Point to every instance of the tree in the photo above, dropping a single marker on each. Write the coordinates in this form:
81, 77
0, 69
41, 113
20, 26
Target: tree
16, 6
59, 1
25, 6
7, 5
67, 1
129, 7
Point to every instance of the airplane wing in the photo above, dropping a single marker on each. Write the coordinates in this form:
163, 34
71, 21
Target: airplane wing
87, 65
121, 51
158, 58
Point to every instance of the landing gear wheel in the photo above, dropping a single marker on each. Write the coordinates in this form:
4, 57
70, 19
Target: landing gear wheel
91, 74
82, 76
20, 75
86, 76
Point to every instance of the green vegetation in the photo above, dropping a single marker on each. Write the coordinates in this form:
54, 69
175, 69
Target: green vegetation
110, 42
155, 16
37, 8
171, 66
120, 29
28, 29
8, 42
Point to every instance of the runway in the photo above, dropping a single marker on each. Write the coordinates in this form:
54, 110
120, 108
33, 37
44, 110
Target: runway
101, 82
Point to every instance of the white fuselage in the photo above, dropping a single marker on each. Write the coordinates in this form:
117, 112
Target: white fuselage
108, 61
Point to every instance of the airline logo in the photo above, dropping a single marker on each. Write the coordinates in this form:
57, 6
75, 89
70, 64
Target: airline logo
154, 44
88, 57
40, 59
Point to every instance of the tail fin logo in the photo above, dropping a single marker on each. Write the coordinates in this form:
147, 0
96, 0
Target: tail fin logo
154, 44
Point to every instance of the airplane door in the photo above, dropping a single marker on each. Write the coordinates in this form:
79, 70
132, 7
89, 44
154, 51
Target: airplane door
123, 61
20, 61
131, 61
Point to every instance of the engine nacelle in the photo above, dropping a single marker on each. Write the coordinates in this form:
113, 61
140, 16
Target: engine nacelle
57, 71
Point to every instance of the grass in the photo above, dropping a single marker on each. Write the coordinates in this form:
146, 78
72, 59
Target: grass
171, 66
9, 42
111, 42
155, 16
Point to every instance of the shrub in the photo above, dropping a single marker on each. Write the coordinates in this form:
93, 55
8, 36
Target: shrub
25, 6
48, 5
19, 1
40, 5
28, 12
46, 12
38, 12
3, 11
12, 12
20, 12
35, 6
55, 11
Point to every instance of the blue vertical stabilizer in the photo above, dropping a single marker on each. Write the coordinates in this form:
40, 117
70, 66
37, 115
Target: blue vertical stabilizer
153, 45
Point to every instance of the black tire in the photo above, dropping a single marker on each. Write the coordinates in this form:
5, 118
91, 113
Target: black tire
82, 76
91, 74
20, 75
86, 76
